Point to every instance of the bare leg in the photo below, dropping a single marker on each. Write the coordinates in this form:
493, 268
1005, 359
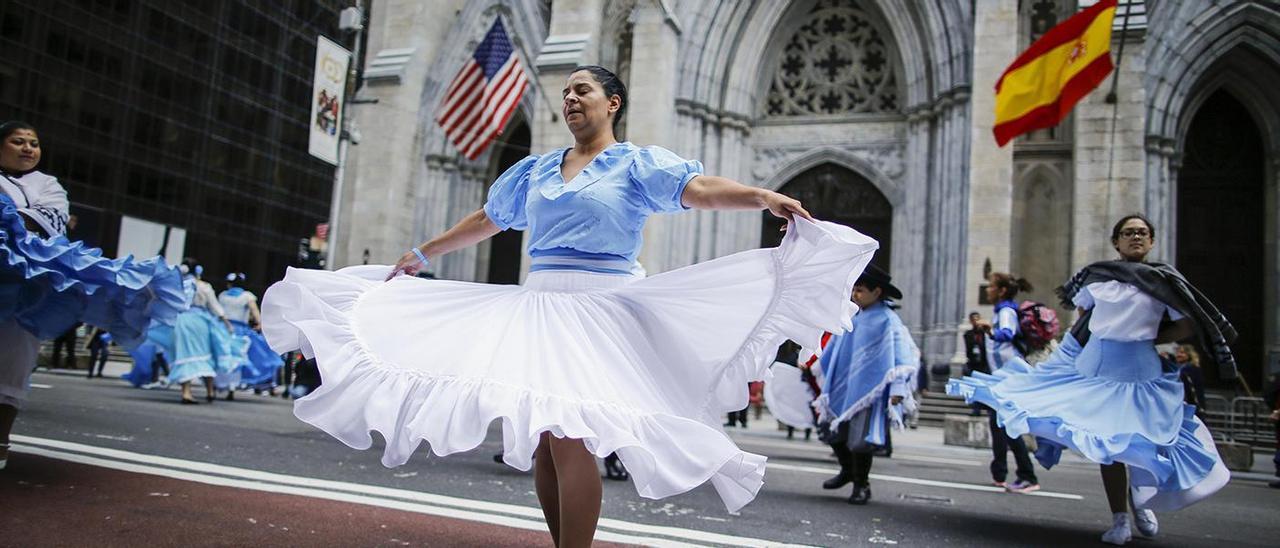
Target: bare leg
210, 392
186, 392
580, 492
1115, 481
544, 482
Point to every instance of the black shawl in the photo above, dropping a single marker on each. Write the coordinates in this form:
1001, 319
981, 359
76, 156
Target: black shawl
1167, 285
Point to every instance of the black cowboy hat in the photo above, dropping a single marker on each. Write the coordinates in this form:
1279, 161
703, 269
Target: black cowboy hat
874, 277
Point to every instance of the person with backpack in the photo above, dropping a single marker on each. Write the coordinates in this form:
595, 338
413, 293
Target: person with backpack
1002, 348
1106, 394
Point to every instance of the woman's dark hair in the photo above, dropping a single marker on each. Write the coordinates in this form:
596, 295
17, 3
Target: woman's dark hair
7, 128
612, 86
1115, 230
1009, 285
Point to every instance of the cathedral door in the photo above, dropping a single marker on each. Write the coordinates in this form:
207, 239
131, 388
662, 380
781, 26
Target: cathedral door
833, 193
1221, 216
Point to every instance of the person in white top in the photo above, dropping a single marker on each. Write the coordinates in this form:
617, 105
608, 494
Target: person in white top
1105, 392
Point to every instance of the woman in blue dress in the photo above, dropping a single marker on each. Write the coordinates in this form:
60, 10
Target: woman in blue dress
1105, 394
588, 357
204, 345
48, 283
260, 364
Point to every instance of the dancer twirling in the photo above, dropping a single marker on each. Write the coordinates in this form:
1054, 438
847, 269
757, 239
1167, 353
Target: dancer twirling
586, 358
203, 345
1104, 394
260, 364
870, 372
48, 284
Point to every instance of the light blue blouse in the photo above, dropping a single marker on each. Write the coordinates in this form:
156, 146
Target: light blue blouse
593, 222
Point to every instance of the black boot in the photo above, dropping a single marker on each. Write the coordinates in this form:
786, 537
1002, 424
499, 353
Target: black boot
846, 468
861, 495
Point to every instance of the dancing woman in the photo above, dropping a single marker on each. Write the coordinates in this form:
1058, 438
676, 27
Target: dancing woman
587, 357
1104, 393
48, 284
259, 365
203, 345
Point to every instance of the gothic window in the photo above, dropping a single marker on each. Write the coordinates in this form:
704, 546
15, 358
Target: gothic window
836, 62
837, 194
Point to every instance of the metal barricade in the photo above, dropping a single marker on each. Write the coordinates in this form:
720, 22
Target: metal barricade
1250, 422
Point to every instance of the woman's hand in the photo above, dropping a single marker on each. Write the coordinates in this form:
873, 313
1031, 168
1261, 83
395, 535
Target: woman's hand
408, 264
785, 206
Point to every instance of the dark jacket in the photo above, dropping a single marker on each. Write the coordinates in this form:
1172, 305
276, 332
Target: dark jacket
1167, 285
975, 351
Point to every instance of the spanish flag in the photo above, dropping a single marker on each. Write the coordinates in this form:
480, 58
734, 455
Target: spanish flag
1040, 87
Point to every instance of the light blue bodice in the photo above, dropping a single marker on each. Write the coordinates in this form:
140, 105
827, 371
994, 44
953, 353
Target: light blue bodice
599, 215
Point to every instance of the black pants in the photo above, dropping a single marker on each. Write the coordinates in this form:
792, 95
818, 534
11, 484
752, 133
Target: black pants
98, 356
856, 465
739, 417
156, 365
66, 340
1001, 443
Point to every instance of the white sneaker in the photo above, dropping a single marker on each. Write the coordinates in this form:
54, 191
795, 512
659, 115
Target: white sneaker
1121, 531
1146, 523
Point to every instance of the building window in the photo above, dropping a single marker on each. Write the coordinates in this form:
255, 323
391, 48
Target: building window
836, 62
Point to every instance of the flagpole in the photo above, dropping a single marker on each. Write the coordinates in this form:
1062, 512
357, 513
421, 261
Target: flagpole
1113, 100
1124, 30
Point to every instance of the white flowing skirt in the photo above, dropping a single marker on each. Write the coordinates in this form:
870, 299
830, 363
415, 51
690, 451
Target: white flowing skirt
641, 367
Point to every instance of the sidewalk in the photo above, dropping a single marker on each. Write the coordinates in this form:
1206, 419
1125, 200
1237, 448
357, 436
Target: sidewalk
924, 443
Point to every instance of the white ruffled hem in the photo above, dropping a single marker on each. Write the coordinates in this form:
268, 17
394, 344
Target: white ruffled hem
896, 412
611, 385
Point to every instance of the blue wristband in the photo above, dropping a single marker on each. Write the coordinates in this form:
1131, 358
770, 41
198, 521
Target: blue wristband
421, 258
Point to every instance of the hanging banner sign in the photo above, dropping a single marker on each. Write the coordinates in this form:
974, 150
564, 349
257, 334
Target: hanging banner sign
327, 95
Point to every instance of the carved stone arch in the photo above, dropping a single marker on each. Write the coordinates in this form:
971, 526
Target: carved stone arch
1041, 237
859, 164
837, 193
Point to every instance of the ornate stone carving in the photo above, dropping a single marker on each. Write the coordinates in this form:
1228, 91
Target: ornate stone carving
886, 159
837, 62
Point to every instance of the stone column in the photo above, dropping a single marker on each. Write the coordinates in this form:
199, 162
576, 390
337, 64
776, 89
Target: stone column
1111, 158
651, 114
990, 167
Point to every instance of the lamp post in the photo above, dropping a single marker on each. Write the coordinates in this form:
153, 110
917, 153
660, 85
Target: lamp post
351, 20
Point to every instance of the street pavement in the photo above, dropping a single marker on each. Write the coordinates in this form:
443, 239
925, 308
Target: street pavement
97, 462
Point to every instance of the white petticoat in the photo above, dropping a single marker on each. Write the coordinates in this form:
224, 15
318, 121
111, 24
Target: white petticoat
641, 367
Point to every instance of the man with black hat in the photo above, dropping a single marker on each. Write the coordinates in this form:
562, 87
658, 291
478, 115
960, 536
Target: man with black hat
869, 375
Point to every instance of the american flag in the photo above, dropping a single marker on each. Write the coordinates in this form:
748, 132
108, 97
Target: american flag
484, 94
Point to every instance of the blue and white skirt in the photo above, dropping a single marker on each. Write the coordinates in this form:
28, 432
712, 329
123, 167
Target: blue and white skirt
259, 366
1112, 402
204, 348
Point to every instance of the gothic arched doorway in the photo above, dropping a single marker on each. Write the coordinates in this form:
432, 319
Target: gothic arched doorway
1221, 219
505, 248
833, 193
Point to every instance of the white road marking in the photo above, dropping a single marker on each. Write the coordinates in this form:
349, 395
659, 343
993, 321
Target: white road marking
44, 386
826, 451
930, 483
523, 517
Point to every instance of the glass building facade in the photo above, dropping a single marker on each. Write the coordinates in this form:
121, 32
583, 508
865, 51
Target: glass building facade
191, 114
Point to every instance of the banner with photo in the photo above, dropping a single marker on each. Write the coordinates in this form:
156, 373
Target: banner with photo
327, 95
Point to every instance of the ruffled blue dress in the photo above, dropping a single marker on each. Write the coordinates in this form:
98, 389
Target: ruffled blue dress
259, 365
1111, 400
202, 346
49, 284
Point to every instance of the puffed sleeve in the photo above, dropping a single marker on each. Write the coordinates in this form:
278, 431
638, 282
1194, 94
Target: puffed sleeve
1083, 298
505, 206
659, 177
48, 207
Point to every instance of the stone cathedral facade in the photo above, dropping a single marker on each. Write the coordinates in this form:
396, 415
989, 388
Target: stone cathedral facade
876, 114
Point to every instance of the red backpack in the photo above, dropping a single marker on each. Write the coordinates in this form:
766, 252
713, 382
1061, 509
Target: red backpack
1037, 325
